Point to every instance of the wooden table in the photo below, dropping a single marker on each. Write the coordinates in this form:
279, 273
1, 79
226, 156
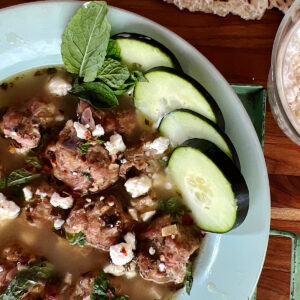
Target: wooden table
241, 50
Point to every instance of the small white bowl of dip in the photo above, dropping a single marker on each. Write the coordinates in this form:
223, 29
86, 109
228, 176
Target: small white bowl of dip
284, 76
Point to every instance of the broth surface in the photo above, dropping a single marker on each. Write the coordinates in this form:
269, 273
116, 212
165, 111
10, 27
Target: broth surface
43, 240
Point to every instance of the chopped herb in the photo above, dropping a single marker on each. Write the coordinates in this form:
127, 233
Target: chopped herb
27, 278
88, 176
188, 279
3, 181
162, 162
103, 290
76, 239
100, 142
20, 176
172, 206
34, 162
83, 148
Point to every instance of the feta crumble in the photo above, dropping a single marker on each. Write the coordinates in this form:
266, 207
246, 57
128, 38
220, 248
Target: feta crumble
62, 202
115, 144
121, 254
162, 267
98, 131
59, 87
152, 251
138, 186
133, 213
147, 215
41, 194
27, 193
58, 223
129, 238
159, 145
81, 131
8, 209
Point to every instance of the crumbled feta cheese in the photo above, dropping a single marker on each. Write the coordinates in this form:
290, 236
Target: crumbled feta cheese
138, 186
115, 144
169, 230
114, 270
27, 193
147, 215
160, 145
124, 161
168, 186
129, 238
98, 131
1, 269
81, 131
101, 198
121, 254
58, 86
8, 209
41, 194
133, 213
162, 267
152, 251
62, 202
58, 223
111, 203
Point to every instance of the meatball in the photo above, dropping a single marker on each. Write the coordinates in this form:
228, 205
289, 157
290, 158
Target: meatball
163, 258
39, 209
93, 171
102, 222
22, 126
121, 120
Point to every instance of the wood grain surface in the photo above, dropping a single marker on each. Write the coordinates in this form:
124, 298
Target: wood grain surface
241, 51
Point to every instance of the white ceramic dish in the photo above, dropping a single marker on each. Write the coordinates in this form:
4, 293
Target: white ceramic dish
229, 265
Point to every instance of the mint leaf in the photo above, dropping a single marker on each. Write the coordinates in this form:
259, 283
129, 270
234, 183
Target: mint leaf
97, 94
33, 161
27, 278
102, 289
188, 279
85, 40
113, 73
113, 50
172, 206
76, 239
20, 176
138, 76
83, 148
100, 142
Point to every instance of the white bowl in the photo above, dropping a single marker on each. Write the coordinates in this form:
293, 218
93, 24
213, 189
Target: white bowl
229, 265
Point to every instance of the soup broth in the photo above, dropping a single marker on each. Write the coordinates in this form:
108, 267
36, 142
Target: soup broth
43, 240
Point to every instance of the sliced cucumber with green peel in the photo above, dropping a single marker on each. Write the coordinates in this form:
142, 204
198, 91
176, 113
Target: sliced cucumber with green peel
183, 124
168, 89
144, 53
211, 185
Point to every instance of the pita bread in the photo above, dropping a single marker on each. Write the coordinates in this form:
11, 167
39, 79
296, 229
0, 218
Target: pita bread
283, 5
247, 9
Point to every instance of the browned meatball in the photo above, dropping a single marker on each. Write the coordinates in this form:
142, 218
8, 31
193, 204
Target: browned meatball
121, 120
22, 126
102, 222
39, 210
164, 258
93, 171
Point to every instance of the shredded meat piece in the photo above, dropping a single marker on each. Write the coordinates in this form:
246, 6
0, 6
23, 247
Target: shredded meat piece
170, 254
102, 222
121, 120
22, 126
93, 171
83, 286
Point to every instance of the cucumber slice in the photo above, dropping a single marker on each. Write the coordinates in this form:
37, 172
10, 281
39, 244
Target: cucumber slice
183, 124
144, 53
211, 185
168, 89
